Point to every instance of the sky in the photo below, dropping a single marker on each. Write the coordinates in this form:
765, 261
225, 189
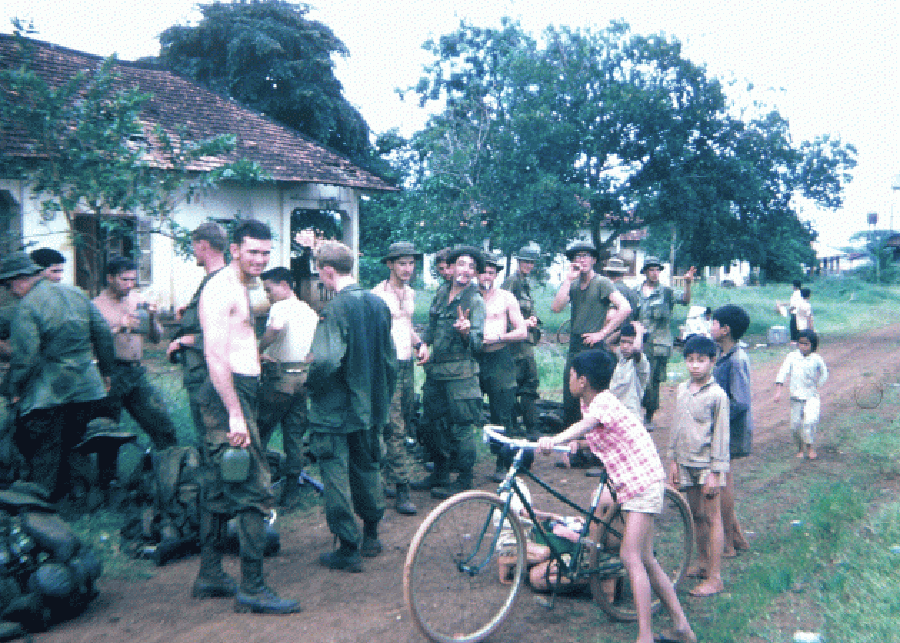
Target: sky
829, 67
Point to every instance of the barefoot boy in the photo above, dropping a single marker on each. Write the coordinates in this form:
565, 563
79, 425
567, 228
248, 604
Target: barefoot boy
698, 451
807, 373
617, 437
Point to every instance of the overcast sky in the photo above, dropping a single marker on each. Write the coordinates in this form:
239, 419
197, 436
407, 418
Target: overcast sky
829, 67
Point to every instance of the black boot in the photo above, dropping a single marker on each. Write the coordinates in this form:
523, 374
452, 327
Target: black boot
212, 581
462, 483
346, 558
437, 478
253, 595
290, 493
370, 546
403, 504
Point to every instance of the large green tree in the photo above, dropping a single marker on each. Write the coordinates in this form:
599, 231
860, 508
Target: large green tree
268, 55
615, 131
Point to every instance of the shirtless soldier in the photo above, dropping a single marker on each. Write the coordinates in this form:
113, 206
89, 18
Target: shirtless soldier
227, 408
401, 299
496, 362
120, 305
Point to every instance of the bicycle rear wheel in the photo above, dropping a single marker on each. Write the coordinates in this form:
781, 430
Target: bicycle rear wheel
673, 541
455, 582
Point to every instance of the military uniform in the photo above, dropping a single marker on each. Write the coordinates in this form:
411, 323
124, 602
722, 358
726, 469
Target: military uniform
523, 353
56, 333
351, 382
655, 313
452, 397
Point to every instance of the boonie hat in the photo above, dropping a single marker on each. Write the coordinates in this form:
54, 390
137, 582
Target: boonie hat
401, 249
494, 258
457, 251
650, 262
581, 246
528, 253
17, 264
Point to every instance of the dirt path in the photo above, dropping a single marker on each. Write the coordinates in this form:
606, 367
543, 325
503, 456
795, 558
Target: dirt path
366, 607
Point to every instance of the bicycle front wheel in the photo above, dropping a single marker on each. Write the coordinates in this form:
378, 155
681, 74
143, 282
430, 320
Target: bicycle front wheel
673, 541
458, 582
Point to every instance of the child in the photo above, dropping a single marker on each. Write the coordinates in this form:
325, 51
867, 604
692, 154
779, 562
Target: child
698, 450
807, 372
617, 437
732, 373
804, 311
632, 370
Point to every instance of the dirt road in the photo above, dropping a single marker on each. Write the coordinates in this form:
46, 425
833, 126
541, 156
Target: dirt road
361, 608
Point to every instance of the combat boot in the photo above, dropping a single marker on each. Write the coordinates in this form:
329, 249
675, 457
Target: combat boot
212, 581
403, 504
290, 493
346, 558
462, 483
370, 546
253, 595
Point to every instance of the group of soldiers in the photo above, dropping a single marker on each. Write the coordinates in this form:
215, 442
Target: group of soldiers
340, 383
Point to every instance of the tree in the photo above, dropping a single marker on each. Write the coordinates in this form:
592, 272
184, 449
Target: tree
87, 151
268, 56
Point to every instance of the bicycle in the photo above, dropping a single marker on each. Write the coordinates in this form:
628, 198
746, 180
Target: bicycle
453, 590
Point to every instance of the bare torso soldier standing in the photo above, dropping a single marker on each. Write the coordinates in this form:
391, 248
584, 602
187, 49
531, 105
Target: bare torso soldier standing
526, 368
131, 319
504, 327
227, 408
401, 299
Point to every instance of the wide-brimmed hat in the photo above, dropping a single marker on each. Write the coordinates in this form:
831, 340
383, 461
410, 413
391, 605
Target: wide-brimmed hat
581, 246
17, 264
457, 251
103, 433
494, 258
401, 249
528, 253
615, 265
650, 261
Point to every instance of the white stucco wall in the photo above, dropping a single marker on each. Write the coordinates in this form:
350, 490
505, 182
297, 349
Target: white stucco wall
176, 278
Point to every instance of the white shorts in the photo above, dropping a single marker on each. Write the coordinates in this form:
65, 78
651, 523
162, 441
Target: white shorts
649, 501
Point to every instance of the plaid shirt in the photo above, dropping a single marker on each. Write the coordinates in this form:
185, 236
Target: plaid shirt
624, 446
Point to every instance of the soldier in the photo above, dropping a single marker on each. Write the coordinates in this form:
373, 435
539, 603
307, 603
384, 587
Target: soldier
452, 395
56, 332
657, 302
496, 363
51, 262
401, 299
282, 390
616, 269
351, 382
526, 368
209, 242
598, 309
227, 402
123, 309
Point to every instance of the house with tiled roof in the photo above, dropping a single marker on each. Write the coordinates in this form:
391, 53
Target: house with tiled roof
310, 183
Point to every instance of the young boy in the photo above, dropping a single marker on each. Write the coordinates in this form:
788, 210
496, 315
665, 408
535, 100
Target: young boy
617, 437
632, 370
804, 311
732, 373
807, 372
698, 452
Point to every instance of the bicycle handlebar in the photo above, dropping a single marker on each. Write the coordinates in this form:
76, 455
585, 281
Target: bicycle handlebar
490, 431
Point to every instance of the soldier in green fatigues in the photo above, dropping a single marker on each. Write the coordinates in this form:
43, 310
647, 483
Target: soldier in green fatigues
52, 382
598, 309
526, 368
452, 396
657, 302
351, 381
209, 242
227, 403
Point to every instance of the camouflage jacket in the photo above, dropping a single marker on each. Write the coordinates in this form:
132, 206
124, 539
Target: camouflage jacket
453, 356
55, 334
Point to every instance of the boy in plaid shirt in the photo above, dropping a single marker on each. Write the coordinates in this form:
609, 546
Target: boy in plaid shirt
616, 436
